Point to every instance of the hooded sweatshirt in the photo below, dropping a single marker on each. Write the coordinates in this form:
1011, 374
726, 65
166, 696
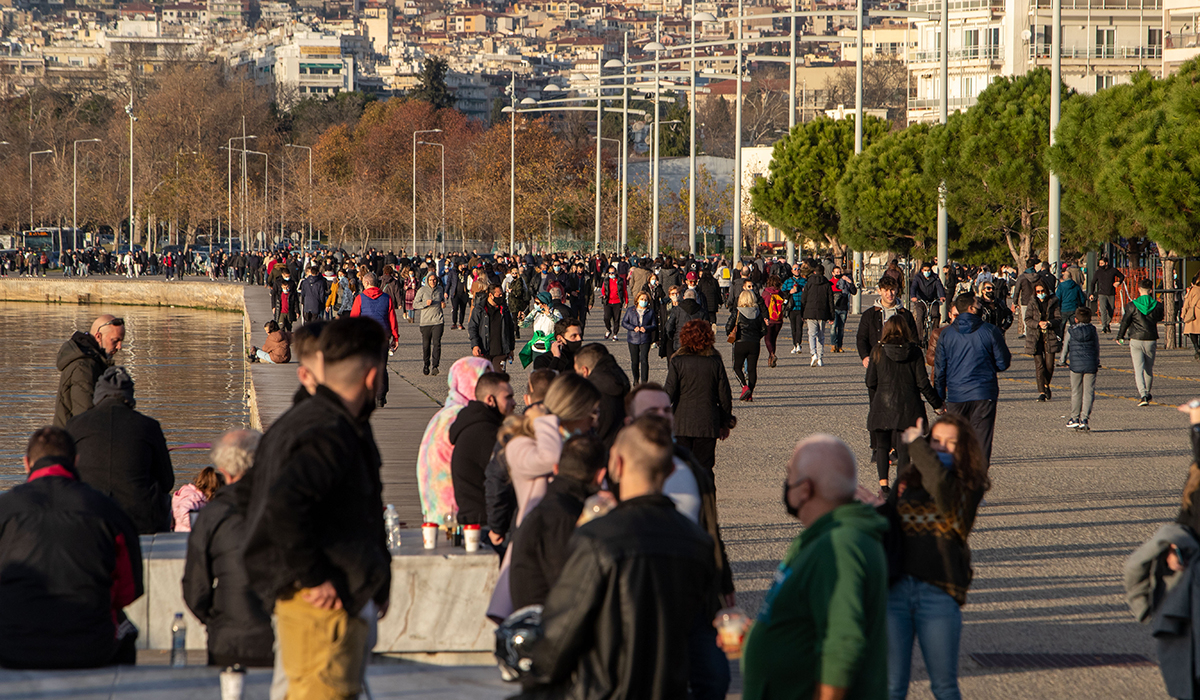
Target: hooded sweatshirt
824, 620
473, 435
81, 362
613, 383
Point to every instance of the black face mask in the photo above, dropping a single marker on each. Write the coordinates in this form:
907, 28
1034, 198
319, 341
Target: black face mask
791, 510
573, 345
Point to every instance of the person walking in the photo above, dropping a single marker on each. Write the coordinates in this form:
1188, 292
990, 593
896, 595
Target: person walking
1043, 323
844, 290
1104, 291
491, 329
970, 353
687, 309
1024, 293
746, 329
870, 325
313, 293
315, 549
373, 303
1191, 316
80, 362
817, 303
1084, 367
937, 497
1070, 297
615, 296
430, 303
793, 291
897, 379
640, 325
699, 391
1140, 321
927, 294
774, 302
822, 629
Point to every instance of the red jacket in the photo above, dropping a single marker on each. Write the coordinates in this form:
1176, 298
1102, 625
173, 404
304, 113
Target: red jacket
614, 293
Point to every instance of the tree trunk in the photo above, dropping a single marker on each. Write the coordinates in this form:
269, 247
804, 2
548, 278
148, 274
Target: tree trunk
1170, 308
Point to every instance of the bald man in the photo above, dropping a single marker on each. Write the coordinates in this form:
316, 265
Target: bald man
81, 361
822, 629
617, 621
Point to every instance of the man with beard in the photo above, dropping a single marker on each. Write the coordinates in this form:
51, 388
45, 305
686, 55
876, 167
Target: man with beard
992, 310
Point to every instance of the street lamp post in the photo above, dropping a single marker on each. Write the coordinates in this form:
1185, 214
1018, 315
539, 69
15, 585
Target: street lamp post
229, 185
702, 17
309, 149
943, 221
31, 155
132, 119
656, 47
1055, 240
858, 131
266, 206
443, 149
625, 146
414, 182
737, 149
74, 194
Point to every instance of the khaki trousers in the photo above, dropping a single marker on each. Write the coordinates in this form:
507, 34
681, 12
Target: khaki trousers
322, 650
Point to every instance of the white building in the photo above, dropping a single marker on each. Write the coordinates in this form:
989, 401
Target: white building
1103, 43
313, 65
1181, 33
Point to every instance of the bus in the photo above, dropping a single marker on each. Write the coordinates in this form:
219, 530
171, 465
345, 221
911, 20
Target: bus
47, 238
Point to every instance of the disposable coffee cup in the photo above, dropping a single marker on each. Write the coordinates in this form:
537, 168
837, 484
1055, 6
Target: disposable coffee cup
471, 537
233, 680
732, 625
429, 535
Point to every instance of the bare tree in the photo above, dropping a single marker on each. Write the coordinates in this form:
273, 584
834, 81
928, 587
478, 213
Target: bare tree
885, 86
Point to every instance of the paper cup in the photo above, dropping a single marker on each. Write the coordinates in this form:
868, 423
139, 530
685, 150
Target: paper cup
232, 683
429, 535
732, 625
471, 535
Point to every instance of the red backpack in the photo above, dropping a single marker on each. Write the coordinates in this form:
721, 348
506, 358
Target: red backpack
775, 308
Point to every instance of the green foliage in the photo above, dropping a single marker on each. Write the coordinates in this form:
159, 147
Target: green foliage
799, 193
993, 160
674, 139
885, 202
431, 85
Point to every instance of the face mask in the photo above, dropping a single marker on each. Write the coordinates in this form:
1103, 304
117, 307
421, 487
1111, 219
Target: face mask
573, 345
1041, 297
674, 298
558, 268
642, 304
946, 459
653, 283
927, 273
791, 510
612, 276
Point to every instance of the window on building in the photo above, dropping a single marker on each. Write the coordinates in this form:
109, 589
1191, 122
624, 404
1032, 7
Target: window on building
1154, 43
1106, 42
1105, 81
992, 42
970, 43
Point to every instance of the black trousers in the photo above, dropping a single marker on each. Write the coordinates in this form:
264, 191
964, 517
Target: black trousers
1043, 367
381, 389
797, 327
704, 449
639, 362
982, 417
431, 344
747, 354
458, 309
612, 317
885, 441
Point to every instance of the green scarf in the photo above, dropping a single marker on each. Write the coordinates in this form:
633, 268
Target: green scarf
1145, 304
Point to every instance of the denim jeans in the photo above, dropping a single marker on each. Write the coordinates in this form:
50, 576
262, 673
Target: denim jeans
264, 357
919, 609
816, 337
708, 673
839, 328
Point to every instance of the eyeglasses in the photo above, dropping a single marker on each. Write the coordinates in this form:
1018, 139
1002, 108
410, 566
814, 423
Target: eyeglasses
118, 322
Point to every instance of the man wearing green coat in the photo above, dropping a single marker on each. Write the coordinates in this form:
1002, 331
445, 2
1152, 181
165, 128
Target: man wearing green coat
822, 630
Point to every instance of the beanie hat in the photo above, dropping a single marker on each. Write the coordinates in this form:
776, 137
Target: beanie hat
114, 382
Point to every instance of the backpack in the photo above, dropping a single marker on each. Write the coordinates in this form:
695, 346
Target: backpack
775, 308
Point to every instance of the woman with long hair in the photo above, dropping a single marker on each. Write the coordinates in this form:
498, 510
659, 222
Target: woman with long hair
747, 328
772, 297
897, 379
699, 391
935, 499
1191, 316
1043, 324
640, 324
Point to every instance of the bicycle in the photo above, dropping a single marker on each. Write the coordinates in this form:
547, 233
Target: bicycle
928, 322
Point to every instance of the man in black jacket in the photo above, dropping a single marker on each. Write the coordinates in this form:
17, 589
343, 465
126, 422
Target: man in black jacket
568, 339
816, 303
239, 628
491, 329
870, 325
928, 294
540, 545
69, 562
123, 453
315, 546
81, 361
594, 363
616, 623
1104, 291
1140, 322
473, 434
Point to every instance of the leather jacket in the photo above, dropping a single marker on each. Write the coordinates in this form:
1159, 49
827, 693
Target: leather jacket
1138, 326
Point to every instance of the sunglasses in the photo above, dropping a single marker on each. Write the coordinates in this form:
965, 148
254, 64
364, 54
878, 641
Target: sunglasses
119, 322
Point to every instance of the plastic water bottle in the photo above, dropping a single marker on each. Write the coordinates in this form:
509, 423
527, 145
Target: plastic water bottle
391, 523
179, 641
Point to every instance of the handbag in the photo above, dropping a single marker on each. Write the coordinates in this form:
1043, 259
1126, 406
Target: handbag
733, 335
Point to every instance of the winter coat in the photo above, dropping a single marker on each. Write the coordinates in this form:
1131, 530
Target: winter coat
1070, 296
678, 317
473, 435
479, 330
314, 506
1191, 310
1025, 284
613, 383
313, 293
217, 589
699, 389
969, 354
71, 561
1085, 349
612, 291
616, 623
279, 346
897, 378
374, 303
123, 454
707, 485
631, 320
539, 549
711, 290
1138, 325
1036, 312
81, 361
843, 289
429, 302
750, 329
996, 313
870, 327
184, 502
927, 289
816, 301
1105, 280
499, 496
434, 481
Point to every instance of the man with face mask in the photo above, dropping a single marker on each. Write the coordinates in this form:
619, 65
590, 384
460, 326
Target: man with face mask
927, 295
822, 630
615, 297
491, 329
568, 338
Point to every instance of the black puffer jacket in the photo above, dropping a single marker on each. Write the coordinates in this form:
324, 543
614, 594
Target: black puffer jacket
750, 330
314, 506
1139, 326
816, 301
539, 548
123, 454
699, 389
678, 317
613, 383
499, 494
712, 292
617, 621
473, 434
897, 379
217, 590
81, 362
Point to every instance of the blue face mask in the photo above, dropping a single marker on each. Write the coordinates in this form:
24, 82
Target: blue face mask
946, 459
642, 304
1041, 297
926, 273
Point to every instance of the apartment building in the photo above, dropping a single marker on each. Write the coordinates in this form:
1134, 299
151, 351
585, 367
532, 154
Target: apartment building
1103, 43
314, 65
1180, 33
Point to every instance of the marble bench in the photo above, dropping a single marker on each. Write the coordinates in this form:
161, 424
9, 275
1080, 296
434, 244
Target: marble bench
439, 598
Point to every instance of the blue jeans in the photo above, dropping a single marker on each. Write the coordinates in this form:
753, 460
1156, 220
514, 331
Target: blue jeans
839, 328
264, 357
916, 608
708, 676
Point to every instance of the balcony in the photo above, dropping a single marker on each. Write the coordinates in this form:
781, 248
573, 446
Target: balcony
957, 5
1181, 41
1093, 53
1135, 5
936, 103
969, 53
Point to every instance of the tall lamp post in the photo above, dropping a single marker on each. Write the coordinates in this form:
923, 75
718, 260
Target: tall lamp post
943, 222
443, 149
31, 155
512, 170
656, 48
309, 149
132, 119
696, 18
614, 63
737, 149
623, 237
414, 182
1055, 240
229, 184
74, 194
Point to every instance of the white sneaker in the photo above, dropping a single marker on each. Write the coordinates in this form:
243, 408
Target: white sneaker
814, 361
820, 362
1073, 423
606, 335
795, 349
